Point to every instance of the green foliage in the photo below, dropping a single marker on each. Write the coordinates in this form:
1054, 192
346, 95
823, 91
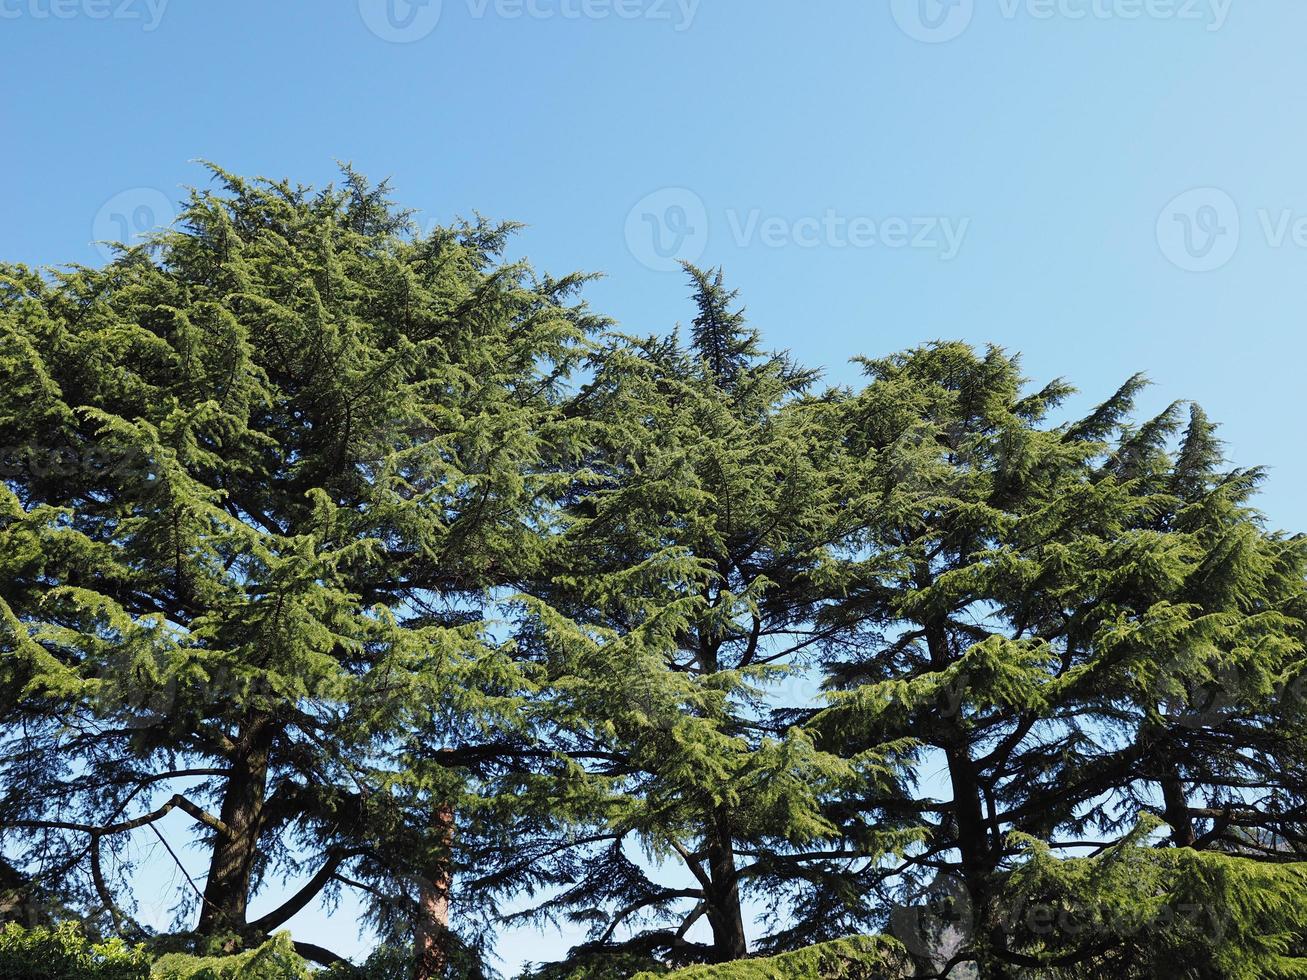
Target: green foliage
383, 963
680, 608
1140, 911
274, 960
597, 964
861, 958
65, 953
266, 480
1084, 625
376, 558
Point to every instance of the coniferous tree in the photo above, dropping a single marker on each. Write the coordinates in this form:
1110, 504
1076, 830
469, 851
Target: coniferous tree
691, 574
1041, 608
308, 535
263, 478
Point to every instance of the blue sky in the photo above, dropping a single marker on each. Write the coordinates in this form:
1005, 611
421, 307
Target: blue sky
1105, 185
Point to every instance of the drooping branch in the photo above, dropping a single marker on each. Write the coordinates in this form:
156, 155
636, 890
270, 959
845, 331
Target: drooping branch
307, 893
102, 887
177, 802
318, 954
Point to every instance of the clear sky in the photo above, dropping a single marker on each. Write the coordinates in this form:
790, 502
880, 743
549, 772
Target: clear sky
1105, 185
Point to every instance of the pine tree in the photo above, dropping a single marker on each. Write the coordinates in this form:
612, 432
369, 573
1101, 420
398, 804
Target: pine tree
359, 550
688, 581
266, 475
1040, 609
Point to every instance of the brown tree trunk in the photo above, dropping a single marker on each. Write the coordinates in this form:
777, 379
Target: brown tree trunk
723, 902
231, 867
431, 951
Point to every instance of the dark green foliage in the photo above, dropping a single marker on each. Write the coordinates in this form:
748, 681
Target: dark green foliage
1140, 911
267, 474
685, 591
862, 958
380, 562
600, 963
1082, 624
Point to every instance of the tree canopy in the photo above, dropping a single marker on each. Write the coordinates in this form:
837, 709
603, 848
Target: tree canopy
387, 566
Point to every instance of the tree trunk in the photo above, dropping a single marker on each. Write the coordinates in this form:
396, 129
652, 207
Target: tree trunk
231, 867
723, 903
973, 837
975, 846
1176, 812
431, 957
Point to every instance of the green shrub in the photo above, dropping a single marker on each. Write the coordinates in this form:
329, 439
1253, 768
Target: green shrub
384, 963
65, 953
597, 964
274, 960
860, 958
